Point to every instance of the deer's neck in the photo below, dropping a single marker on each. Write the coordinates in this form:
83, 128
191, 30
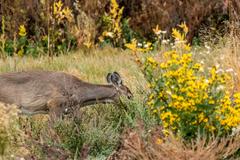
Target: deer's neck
94, 94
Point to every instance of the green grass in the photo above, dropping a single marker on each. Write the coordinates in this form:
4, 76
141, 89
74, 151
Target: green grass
92, 66
99, 127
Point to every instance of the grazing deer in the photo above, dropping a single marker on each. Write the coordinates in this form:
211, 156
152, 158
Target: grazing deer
36, 92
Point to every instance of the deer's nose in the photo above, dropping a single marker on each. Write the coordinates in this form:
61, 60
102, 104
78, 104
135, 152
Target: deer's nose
130, 96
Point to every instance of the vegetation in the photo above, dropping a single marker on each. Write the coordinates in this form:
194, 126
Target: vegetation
186, 94
98, 128
9, 130
52, 39
186, 98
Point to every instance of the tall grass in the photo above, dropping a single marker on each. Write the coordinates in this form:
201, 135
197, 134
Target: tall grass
98, 129
135, 146
11, 138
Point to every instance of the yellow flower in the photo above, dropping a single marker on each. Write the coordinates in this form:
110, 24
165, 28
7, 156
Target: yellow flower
151, 96
205, 120
132, 46
184, 27
196, 66
165, 132
22, 31
163, 65
177, 35
237, 96
114, 26
60, 12
151, 60
211, 128
187, 47
68, 14
57, 7
114, 4
150, 103
59, 4
159, 141
20, 52
201, 117
194, 122
211, 102
156, 30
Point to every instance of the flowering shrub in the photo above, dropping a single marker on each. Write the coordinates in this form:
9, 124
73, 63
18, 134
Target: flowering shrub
59, 39
112, 25
61, 13
185, 97
53, 37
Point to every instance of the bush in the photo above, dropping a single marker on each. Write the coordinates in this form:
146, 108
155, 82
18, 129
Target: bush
111, 25
185, 97
115, 30
25, 37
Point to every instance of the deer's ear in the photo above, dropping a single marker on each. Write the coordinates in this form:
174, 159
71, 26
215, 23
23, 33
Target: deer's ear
116, 74
116, 78
109, 75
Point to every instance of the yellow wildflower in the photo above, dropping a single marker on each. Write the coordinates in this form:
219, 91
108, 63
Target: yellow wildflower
165, 132
184, 27
187, 47
68, 14
132, 45
59, 4
159, 141
156, 30
20, 52
22, 31
177, 35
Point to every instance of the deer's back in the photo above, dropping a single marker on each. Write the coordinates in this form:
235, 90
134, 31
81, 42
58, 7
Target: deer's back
34, 89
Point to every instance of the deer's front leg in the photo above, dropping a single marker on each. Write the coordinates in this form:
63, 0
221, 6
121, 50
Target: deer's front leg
57, 107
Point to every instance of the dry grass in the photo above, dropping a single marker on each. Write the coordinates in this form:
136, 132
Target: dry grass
99, 127
231, 60
135, 147
11, 137
225, 56
92, 67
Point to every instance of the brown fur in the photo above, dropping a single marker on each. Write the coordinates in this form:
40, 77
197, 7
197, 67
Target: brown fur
47, 91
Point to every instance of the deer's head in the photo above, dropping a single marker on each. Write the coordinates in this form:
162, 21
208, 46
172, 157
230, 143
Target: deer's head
115, 79
104, 93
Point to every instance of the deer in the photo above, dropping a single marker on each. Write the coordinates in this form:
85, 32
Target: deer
56, 93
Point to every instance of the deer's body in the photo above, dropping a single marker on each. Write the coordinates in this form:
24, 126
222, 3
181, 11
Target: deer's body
47, 91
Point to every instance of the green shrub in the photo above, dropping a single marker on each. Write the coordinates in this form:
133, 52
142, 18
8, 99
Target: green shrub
51, 39
186, 98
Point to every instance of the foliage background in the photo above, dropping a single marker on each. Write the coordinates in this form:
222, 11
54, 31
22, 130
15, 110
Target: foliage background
79, 38
144, 15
